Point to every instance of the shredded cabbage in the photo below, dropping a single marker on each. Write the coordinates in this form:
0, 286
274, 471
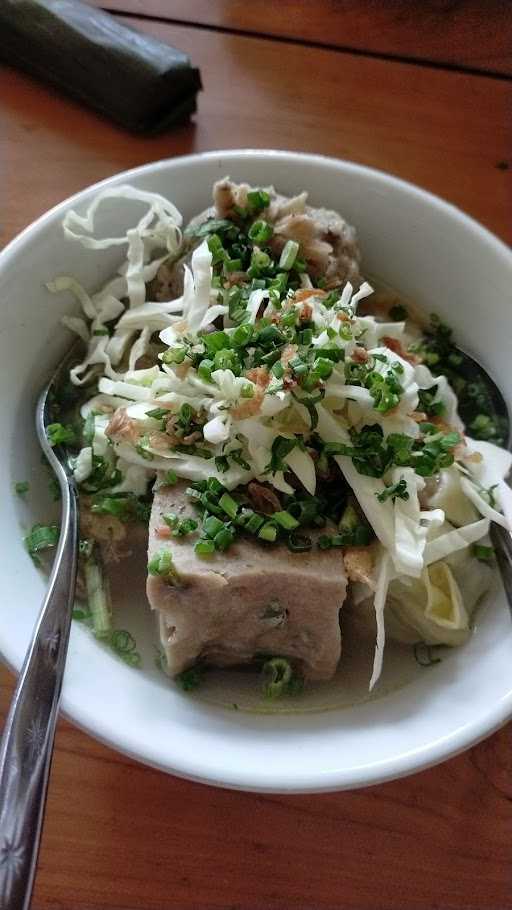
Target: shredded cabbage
383, 579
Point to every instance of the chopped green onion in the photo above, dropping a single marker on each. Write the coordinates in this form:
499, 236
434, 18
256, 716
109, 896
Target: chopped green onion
285, 520
449, 441
247, 390
334, 354
212, 526
297, 543
310, 402
162, 565
289, 319
41, 537
89, 428
222, 464
281, 447
298, 365
237, 303
224, 538
233, 265
174, 355
229, 505
204, 547
237, 457
171, 520
216, 249
484, 554
270, 336
21, 487
279, 678
103, 475
214, 486
349, 520
278, 370
158, 413
258, 200
427, 402
169, 479
81, 614
394, 491
306, 337
254, 523
125, 646
204, 370
242, 335
124, 506
385, 391
323, 367
215, 341
260, 232
98, 594
214, 226
227, 359
279, 673
190, 679
143, 452
58, 434
260, 262
288, 255
195, 450
209, 502
268, 532
185, 526
324, 542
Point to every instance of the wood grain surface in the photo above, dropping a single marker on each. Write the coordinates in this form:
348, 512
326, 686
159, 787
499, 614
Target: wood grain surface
121, 836
463, 33
118, 835
448, 132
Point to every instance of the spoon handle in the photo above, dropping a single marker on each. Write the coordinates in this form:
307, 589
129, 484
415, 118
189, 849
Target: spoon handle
502, 541
27, 743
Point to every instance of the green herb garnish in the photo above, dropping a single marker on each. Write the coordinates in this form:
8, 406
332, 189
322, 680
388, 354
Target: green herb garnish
58, 434
394, 491
162, 565
125, 646
40, 538
279, 678
124, 506
21, 487
482, 553
191, 679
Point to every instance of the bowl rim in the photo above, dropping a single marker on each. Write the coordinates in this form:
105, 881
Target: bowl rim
199, 770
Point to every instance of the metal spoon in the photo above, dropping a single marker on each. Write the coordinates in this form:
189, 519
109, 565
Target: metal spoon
474, 372
27, 743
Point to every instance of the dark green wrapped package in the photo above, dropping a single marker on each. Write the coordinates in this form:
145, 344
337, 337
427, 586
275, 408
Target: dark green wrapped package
141, 83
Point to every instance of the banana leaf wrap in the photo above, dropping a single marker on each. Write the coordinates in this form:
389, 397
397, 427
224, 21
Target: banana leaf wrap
139, 82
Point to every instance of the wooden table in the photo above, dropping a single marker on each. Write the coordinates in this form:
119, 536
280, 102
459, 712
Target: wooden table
117, 834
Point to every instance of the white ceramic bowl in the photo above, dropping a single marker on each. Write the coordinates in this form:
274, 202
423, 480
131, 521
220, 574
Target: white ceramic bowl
415, 242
